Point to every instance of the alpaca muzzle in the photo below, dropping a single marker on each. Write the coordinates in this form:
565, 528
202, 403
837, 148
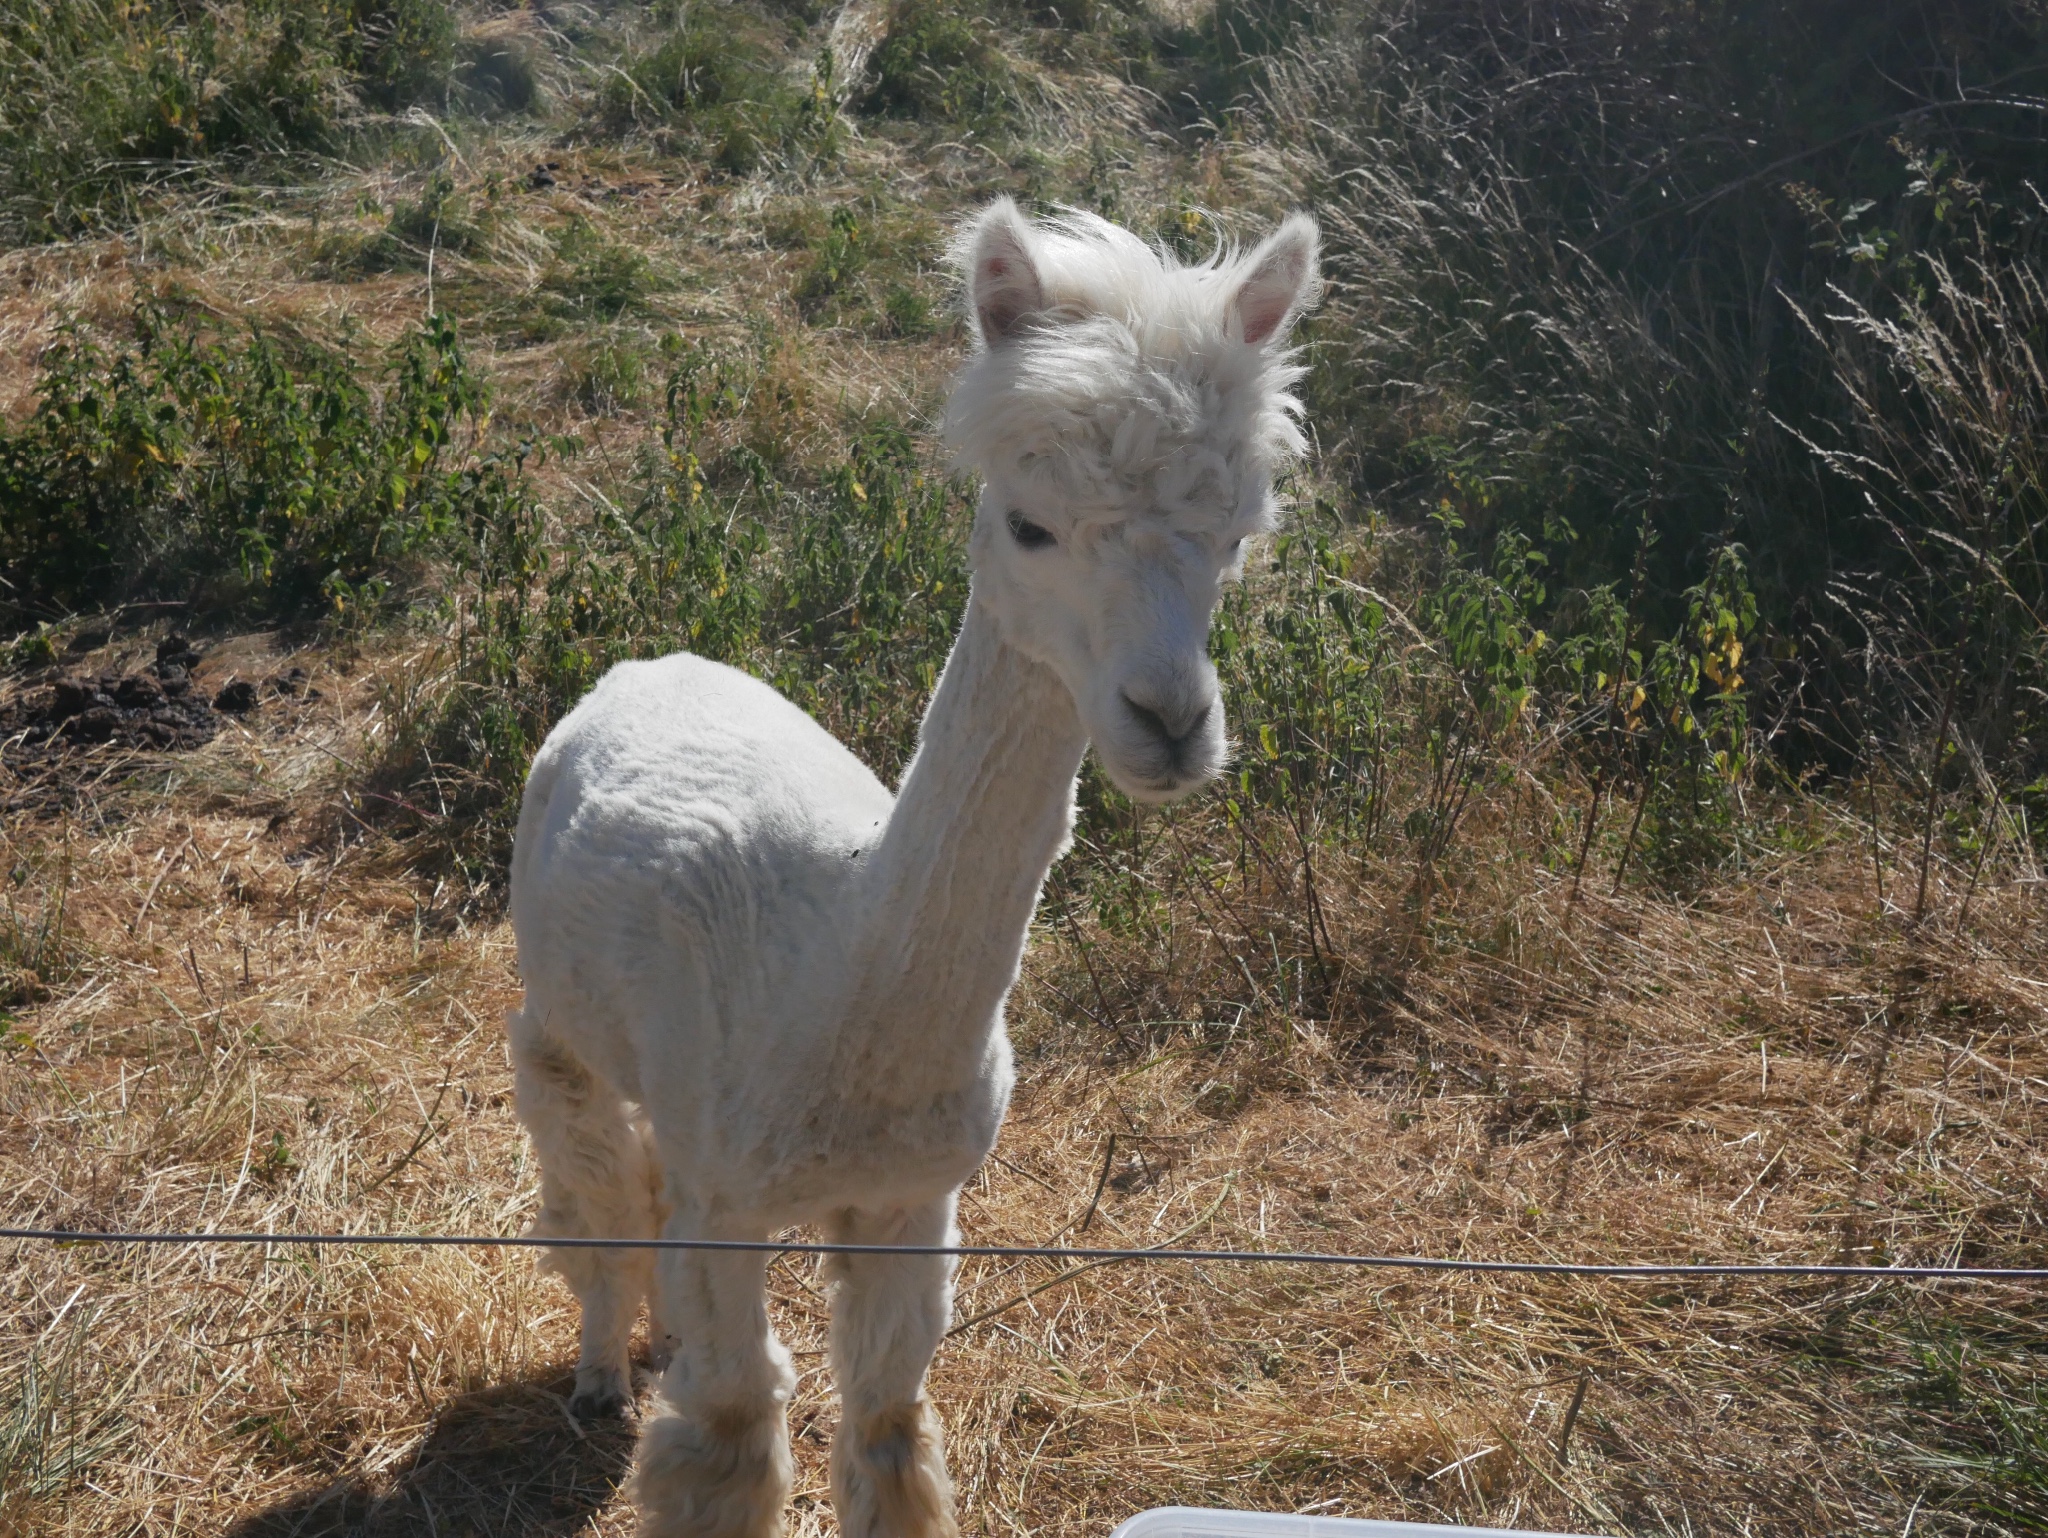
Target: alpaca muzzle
1166, 743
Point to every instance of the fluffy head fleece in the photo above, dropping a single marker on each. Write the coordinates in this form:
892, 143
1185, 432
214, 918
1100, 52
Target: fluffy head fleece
1125, 377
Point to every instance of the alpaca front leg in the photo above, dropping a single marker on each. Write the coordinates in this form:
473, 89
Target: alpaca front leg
889, 1313
714, 1453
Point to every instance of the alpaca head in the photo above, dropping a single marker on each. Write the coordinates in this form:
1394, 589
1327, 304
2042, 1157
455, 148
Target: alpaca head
1126, 413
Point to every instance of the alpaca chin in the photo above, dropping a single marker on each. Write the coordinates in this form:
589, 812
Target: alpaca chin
1151, 785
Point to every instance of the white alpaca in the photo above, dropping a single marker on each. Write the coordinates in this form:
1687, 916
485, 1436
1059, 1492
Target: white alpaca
761, 992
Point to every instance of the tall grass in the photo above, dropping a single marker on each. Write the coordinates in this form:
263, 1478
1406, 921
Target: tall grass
54, 1426
710, 76
1577, 248
39, 948
1945, 444
105, 100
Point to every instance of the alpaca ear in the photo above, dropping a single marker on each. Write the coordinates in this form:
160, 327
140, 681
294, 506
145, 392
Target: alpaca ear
1280, 283
1002, 279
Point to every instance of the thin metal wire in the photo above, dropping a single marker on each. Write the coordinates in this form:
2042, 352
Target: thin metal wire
2012, 1274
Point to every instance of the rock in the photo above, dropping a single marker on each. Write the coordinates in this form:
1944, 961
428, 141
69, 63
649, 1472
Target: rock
236, 698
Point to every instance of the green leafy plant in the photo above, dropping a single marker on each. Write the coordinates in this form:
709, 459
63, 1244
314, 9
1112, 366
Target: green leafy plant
839, 257
1306, 656
845, 596
1483, 619
1691, 793
233, 473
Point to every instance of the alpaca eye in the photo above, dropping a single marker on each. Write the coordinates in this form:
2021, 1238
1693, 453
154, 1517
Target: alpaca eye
1029, 534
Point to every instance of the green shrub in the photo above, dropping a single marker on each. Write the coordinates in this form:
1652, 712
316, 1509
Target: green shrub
401, 51
846, 597
595, 277
867, 265
1218, 63
241, 476
1306, 663
608, 375
867, 594
102, 97
500, 69
441, 218
909, 313
939, 64
836, 260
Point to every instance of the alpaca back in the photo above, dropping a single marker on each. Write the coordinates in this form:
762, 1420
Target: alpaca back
685, 846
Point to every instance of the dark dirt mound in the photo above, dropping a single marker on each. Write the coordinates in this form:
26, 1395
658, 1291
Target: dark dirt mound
160, 709
156, 709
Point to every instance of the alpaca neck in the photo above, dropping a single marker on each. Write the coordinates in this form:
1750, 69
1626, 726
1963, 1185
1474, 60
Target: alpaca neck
985, 808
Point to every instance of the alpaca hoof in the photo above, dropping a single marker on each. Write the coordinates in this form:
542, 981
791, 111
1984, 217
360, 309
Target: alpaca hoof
723, 1472
889, 1476
598, 1405
660, 1352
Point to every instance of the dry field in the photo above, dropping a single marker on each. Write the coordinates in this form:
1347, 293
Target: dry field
251, 1011
271, 1026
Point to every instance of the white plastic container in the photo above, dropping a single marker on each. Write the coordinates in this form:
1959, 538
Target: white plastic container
1195, 1522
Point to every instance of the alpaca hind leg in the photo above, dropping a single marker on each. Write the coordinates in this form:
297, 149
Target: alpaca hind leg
714, 1456
889, 1313
661, 1335
595, 1183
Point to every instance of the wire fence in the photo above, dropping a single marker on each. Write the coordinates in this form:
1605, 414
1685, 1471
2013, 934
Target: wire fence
1622, 1271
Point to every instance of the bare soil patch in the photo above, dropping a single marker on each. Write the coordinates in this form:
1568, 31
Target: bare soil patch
71, 724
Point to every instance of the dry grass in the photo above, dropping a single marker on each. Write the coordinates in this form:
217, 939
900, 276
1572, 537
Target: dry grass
275, 1028
273, 1024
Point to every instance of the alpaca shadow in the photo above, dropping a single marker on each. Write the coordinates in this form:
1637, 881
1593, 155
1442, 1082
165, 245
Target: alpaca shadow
504, 1462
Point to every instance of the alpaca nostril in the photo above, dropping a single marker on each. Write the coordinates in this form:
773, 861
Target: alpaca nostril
1149, 718
1173, 734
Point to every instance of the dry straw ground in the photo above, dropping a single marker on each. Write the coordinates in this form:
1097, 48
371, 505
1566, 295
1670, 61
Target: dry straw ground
273, 1026
266, 1018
